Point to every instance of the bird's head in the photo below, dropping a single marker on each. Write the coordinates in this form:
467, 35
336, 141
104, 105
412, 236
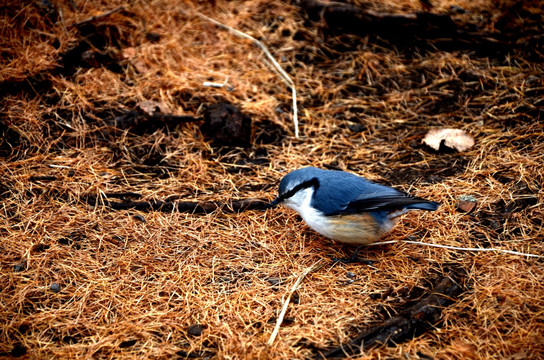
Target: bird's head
296, 186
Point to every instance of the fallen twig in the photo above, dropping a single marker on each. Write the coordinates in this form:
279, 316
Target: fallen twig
194, 207
286, 301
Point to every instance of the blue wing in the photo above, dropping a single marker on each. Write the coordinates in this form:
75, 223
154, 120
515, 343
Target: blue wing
344, 193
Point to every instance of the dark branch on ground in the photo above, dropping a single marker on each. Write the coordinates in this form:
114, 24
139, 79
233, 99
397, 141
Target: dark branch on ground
194, 207
405, 29
412, 322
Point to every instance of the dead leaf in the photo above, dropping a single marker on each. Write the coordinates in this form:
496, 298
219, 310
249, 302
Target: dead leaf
150, 107
129, 54
466, 203
456, 139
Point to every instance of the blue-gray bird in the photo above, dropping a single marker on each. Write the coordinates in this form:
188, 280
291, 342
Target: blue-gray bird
345, 207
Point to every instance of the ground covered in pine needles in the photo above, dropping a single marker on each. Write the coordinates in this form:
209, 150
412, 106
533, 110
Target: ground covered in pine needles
107, 120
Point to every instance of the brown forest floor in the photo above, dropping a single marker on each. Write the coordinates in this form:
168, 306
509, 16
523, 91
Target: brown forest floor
80, 279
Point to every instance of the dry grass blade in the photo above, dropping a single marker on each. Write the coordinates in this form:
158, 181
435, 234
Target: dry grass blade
287, 299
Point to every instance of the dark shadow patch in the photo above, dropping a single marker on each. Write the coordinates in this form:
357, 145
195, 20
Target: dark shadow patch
268, 132
127, 343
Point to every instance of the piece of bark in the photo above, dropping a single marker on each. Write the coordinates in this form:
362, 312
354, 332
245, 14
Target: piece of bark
226, 125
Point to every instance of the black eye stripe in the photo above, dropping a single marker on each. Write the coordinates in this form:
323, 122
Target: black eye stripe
312, 182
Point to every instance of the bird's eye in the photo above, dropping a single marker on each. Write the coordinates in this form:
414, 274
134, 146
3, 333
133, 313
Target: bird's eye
306, 184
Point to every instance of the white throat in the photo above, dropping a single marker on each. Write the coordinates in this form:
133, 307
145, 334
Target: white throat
300, 202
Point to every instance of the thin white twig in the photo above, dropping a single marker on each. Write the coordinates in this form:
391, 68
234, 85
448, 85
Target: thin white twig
295, 110
213, 84
458, 248
275, 64
296, 285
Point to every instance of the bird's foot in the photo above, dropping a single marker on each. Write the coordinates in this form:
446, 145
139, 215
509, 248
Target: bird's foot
350, 260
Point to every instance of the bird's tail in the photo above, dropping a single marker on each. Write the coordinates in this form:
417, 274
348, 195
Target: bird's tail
424, 205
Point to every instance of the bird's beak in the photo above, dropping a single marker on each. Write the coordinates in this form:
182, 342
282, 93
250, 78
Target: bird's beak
274, 203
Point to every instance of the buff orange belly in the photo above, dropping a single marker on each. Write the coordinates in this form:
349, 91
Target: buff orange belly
355, 229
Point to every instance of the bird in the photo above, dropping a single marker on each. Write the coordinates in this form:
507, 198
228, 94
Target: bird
345, 207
